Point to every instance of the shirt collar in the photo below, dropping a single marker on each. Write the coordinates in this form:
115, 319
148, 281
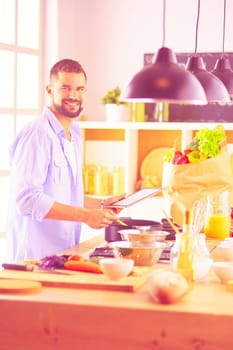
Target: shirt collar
58, 128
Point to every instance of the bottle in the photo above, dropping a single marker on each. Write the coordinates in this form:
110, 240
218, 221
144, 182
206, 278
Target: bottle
185, 259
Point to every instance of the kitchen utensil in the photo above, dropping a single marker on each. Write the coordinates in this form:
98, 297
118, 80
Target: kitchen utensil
170, 222
143, 254
217, 223
15, 286
82, 280
30, 268
225, 250
146, 236
111, 232
120, 222
199, 211
224, 270
202, 266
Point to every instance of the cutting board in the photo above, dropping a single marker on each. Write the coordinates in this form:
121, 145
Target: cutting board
83, 279
19, 286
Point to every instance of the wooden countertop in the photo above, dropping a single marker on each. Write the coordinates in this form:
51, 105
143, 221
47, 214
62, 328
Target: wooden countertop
58, 318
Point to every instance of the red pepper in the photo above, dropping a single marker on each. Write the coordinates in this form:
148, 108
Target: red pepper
182, 159
175, 157
187, 151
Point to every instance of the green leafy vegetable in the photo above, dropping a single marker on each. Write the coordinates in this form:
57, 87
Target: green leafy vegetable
209, 140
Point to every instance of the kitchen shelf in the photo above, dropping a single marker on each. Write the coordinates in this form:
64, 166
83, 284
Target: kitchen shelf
129, 142
151, 125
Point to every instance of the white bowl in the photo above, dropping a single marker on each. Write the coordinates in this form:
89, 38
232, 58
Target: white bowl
228, 240
225, 250
224, 270
116, 268
202, 267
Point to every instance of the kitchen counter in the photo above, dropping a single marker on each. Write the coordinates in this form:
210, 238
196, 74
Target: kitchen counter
62, 318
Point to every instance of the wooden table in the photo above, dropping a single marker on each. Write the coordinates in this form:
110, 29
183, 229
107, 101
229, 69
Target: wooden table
80, 319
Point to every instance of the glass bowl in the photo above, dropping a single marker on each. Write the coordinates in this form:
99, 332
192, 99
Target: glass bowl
145, 236
143, 254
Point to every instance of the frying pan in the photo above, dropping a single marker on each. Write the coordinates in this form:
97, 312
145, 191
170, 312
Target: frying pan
112, 234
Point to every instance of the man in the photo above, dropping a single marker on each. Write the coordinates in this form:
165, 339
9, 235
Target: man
47, 204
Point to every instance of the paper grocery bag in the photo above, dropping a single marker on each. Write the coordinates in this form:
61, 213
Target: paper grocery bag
186, 183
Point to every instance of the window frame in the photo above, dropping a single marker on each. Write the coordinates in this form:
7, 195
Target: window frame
38, 52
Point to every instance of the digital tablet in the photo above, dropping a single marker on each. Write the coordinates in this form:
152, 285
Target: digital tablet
136, 197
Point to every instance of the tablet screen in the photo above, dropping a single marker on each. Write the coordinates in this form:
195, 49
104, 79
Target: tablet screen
136, 197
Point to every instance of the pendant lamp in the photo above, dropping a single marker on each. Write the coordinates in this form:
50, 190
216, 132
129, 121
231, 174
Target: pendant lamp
222, 68
164, 80
214, 88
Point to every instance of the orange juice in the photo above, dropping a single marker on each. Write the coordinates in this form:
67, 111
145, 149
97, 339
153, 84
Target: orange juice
217, 226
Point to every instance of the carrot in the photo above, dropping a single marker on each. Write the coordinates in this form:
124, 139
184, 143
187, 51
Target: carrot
83, 266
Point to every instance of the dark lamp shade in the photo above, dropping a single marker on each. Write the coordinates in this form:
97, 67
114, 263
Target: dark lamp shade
224, 72
164, 81
214, 88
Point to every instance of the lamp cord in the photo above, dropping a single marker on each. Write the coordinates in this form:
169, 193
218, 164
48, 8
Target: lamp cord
197, 23
164, 22
224, 28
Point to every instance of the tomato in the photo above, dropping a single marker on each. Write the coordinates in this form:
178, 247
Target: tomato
75, 257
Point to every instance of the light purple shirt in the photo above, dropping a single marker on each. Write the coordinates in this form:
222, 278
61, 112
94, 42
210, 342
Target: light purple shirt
42, 173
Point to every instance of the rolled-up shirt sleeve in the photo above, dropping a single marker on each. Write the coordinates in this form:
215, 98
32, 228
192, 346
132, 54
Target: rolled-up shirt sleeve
31, 172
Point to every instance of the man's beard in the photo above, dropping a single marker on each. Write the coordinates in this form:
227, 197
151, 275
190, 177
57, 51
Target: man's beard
61, 109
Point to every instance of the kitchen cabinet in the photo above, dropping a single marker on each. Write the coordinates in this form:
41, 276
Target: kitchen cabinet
127, 143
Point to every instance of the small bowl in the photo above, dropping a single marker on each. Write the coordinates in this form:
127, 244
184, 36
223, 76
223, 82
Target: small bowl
225, 250
143, 254
116, 268
224, 270
145, 236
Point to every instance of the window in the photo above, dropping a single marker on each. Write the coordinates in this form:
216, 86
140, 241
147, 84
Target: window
20, 68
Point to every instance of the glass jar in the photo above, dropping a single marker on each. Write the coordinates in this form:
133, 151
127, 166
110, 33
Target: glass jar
201, 249
117, 185
217, 223
101, 181
88, 178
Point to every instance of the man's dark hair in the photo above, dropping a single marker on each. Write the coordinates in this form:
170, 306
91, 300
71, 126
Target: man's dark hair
67, 65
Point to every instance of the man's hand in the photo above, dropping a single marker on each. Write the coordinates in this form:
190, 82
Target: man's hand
99, 218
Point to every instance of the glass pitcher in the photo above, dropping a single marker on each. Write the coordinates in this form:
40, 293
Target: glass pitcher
217, 223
